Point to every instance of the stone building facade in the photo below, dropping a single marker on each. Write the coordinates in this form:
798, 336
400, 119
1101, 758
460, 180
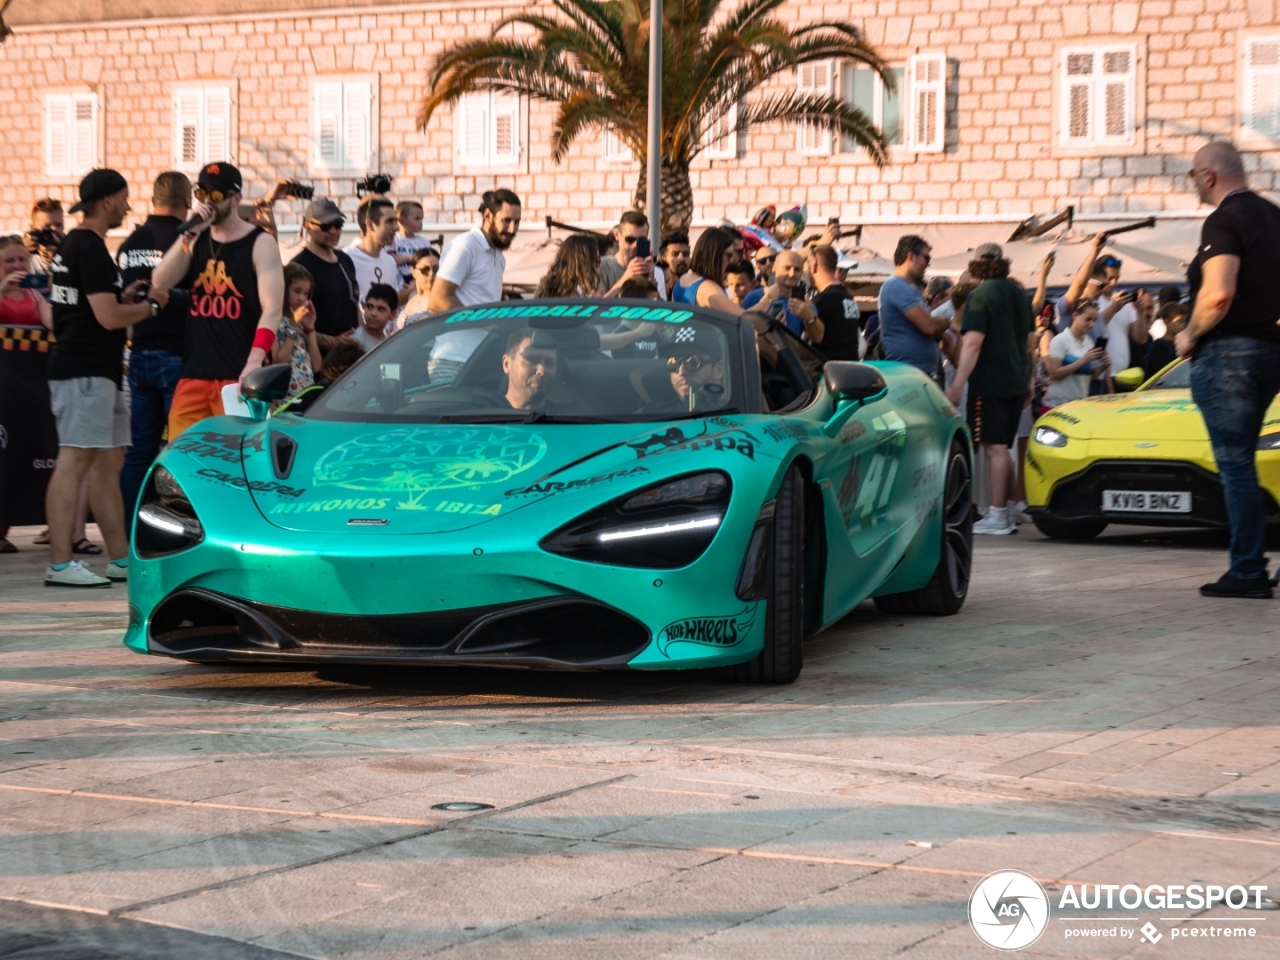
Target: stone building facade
1006, 108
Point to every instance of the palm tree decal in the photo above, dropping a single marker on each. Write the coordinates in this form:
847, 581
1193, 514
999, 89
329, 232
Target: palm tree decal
591, 59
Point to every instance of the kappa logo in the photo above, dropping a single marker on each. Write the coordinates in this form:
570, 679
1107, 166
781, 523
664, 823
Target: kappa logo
673, 439
1009, 910
214, 294
707, 631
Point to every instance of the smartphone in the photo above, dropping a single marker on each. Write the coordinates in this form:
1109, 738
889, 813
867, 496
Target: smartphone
800, 290
35, 281
144, 289
1100, 343
643, 248
832, 221
778, 309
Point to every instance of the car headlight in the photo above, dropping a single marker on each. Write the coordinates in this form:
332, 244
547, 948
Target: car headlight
167, 522
665, 526
1269, 441
1050, 437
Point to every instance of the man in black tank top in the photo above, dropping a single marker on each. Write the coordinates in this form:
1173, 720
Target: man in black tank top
233, 272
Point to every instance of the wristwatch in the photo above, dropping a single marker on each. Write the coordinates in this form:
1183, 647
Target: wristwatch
155, 307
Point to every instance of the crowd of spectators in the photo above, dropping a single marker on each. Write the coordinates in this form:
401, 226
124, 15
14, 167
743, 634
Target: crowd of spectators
203, 301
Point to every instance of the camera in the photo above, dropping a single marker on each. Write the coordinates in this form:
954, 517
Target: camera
374, 183
45, 237
302, 192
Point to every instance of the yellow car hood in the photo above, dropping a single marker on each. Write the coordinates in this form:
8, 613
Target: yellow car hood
1155, 415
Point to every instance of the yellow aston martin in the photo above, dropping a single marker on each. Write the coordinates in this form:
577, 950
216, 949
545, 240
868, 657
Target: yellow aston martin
1139, 458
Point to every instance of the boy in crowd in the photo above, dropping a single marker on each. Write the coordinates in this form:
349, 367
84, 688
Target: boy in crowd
740, 279
380, 305
409, 240
377, 221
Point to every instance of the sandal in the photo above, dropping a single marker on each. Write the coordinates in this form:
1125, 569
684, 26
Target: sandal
42, 538
6, 546
86, 547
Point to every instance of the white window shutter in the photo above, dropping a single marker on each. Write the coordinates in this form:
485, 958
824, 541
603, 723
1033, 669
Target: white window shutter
1262, 86
505, 143
357, 125
814, 79
217, 125
722, 139
57, 134
1117, 97
85, 136
186, 129
473, 128
1078, 96
927, 75
327, 125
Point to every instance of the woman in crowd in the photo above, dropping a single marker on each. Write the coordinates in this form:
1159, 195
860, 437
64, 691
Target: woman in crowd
425, 264
703, 283
575, 272
19, 306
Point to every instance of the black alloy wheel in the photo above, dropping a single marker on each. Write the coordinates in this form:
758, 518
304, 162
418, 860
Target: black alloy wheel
946, 590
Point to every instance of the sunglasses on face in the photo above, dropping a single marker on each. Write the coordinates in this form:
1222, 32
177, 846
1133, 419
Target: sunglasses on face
690, 363
764, 260
336, 225
215, 196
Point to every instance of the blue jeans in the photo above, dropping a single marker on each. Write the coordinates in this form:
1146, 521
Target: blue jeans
1233, 381
152, 376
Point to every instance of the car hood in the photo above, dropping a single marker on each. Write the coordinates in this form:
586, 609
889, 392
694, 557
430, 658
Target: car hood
1149, 415
438, 478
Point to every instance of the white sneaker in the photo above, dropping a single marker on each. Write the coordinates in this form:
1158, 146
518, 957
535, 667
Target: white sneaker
1020, 514
998, 522
74, 574
117, 573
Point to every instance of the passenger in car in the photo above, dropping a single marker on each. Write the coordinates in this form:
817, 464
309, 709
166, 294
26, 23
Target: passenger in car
531, 372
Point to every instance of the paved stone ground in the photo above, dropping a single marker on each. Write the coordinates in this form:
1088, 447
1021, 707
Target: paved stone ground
1087, 718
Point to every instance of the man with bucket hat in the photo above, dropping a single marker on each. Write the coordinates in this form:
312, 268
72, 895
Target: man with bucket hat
91, 309
236, 281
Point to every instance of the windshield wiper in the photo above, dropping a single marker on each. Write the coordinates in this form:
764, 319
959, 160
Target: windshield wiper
528, 416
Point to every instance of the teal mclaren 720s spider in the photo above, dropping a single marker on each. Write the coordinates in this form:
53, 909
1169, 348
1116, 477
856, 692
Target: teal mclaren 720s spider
582, 484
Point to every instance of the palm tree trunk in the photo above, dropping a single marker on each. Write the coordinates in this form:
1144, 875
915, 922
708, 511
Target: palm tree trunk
677, 197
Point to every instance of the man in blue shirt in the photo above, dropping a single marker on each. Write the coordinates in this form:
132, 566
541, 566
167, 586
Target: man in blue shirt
908, 331
796, 312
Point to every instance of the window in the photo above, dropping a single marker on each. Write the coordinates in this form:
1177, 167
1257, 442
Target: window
865, 90
814, 79
342, 124
487, 132
1262, 86
201, 126
70, 134
1098, 96
928, 75
722, 138
614, 149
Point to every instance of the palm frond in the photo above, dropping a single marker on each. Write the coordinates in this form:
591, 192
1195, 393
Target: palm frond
840, 117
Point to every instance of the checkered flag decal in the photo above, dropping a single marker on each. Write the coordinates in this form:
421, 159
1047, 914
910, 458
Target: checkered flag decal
684, 335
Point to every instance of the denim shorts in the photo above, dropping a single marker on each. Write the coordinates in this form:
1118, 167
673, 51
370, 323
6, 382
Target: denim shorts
91, 412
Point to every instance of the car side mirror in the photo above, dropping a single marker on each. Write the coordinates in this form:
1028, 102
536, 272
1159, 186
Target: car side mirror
265, 386
848, 380
1129, 379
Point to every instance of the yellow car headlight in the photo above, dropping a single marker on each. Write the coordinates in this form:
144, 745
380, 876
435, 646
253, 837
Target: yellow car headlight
1052, 438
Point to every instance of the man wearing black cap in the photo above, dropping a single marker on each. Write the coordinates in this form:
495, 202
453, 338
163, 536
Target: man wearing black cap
233, 272
696, 369
91, 309
336, 287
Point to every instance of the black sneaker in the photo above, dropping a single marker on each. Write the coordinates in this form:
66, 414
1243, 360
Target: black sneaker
1257, 588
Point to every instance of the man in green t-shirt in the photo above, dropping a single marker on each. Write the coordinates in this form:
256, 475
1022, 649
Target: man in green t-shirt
993, 362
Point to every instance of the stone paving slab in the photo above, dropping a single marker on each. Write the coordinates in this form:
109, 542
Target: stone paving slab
1086, 718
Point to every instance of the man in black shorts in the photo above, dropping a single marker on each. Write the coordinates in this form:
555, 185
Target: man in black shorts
232, 270
993, 361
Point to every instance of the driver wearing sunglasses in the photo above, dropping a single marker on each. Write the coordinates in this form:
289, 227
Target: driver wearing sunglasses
696, 372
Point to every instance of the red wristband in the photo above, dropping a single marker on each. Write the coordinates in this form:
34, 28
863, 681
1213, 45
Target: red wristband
264, 339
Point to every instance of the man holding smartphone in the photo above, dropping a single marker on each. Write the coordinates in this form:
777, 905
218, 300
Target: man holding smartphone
634, 259
785, 298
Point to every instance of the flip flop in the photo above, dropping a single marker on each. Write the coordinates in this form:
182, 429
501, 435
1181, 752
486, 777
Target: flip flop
6, 546
86, 547
42, 537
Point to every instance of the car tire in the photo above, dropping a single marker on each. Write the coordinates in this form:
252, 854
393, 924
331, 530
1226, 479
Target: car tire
1069, 530
946, 590
783, 654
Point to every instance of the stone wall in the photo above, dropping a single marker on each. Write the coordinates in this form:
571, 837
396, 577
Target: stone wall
1001, 160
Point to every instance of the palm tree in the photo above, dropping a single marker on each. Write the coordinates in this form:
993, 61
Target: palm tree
591, 58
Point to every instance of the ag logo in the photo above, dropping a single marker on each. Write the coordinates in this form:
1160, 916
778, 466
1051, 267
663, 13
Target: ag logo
1008, 910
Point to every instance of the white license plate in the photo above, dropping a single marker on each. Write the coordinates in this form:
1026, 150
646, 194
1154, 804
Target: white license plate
1146, 501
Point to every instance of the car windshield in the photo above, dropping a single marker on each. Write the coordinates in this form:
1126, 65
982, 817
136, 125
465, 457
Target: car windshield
1179, 378
574, 361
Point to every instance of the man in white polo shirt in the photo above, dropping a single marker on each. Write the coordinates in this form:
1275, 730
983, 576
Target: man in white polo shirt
472, 265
